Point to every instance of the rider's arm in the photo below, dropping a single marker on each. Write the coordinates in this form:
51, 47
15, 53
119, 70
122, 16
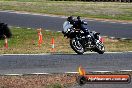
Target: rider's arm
83, 22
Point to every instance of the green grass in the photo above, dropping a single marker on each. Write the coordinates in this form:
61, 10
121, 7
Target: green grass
26, 41
107, 10
118, 45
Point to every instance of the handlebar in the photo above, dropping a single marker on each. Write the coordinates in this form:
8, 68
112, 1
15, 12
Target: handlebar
85, 23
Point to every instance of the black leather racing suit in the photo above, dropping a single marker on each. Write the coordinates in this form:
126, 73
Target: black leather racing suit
79, 24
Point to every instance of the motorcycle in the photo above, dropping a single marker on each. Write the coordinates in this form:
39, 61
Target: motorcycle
81, 43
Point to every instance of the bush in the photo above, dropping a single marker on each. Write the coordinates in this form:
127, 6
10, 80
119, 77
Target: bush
4, 30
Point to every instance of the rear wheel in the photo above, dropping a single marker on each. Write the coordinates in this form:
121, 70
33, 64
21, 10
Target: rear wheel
76, 46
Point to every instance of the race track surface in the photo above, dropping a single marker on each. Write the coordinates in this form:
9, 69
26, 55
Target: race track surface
26, 64
58, 63
114, 85
116, 29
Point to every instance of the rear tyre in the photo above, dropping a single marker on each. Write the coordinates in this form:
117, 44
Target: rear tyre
76, 46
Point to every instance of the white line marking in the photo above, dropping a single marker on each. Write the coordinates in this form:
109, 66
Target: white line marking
123, 38
113, 52
58, 31
124, 23
105, 36
47, 30
102, 71
90, 20
17, 27
113, 22
40, 73
88, 52
13, 74
104, 52
64, 72
24, 54
60, 53
35, 14
126, 70
28, 28
19, 12
103, 21
112, 37
71, 72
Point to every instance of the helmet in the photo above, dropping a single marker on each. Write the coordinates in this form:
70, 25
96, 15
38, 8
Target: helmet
70, 18
78, 17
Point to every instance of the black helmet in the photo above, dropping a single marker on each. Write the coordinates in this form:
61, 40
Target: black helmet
70, 18
78, 17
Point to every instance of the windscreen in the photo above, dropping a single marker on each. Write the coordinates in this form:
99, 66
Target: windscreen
66, 26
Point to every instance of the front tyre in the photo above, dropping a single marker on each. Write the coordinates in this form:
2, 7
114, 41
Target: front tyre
76, 46
100, 48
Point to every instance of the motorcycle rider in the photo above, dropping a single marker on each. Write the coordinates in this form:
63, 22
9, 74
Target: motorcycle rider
71, 20
81, 25
78, 24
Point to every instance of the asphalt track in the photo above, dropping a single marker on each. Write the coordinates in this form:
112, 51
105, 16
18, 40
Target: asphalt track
114, 85
58, 63
26, 64
111, 29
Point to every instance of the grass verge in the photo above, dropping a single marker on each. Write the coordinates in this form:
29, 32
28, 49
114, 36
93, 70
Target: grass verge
107, 10
26, 41
38, 81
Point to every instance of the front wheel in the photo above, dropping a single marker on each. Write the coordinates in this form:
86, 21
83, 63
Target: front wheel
76, 46
100, 48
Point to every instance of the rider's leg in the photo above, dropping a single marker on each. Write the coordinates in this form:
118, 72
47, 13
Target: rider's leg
88, 35
85, 30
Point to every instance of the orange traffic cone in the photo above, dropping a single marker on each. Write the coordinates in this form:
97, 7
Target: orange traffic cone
6, 42
40, 40
53, 45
